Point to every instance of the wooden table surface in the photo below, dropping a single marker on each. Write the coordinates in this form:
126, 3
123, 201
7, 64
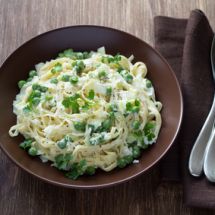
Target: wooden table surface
21, 193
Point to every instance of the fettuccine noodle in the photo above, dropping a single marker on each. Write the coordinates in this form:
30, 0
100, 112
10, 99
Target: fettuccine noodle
90, 112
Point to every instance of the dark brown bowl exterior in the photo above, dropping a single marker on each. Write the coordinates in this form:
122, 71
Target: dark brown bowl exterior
45, 47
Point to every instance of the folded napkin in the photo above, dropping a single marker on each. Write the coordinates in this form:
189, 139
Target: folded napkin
186, 45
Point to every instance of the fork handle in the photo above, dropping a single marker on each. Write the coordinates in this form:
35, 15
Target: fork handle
197, 153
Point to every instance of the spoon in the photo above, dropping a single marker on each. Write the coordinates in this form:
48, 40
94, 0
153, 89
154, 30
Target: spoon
209, 160
205, 136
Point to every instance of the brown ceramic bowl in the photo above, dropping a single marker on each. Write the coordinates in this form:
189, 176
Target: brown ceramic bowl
45, 47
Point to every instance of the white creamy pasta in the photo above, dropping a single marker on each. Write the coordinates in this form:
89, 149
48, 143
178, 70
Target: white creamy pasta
84, 111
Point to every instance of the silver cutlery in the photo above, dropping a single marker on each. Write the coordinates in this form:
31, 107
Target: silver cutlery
206, 136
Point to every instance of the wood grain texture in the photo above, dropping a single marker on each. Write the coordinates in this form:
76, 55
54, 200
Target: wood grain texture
21, 193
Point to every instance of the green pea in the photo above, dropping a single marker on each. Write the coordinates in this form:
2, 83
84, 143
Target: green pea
102, 74
90, 170
62, 144
73, 79
121, 163
32, 151
129, 106
136, 151
54, 81
29, 79
128, 159
109, 91
32, 73
21, 83
65, 78
91, 94
80, 126
106, 125
148, 83
129, 78
136, 125
35, 101
135, 109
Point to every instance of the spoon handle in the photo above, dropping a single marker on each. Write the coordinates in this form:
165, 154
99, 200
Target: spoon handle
209, 160
197, 154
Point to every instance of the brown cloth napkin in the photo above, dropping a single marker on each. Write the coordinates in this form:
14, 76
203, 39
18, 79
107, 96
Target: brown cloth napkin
186, 45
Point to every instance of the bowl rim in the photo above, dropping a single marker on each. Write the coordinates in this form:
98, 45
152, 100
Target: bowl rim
108, 184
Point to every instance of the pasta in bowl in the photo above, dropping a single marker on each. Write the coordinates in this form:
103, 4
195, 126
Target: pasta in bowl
87, 110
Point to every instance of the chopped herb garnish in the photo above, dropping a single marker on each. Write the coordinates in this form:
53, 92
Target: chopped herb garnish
71, 102
57, 68
96, 139
62, 162
77, 169
26, 144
